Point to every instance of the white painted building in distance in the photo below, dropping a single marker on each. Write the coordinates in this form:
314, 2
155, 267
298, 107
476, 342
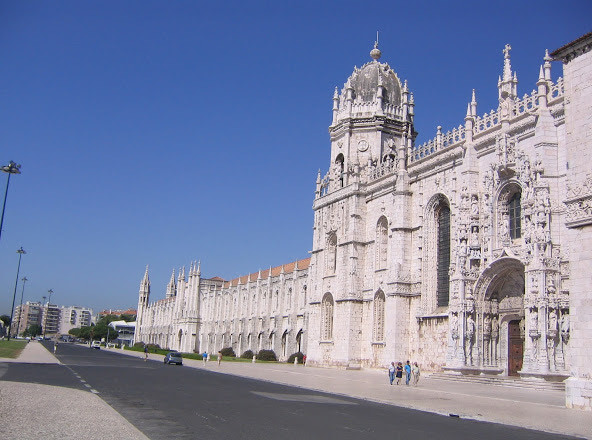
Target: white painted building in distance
470, 253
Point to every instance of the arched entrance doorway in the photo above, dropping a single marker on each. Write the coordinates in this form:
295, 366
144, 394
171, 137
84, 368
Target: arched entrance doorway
285, 344
180, 340
499, 336
299, 340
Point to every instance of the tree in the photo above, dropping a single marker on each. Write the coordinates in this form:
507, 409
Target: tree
33, 330
127, 318
80, 332
5, 319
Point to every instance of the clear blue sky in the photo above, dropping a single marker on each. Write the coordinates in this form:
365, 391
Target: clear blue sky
164, 132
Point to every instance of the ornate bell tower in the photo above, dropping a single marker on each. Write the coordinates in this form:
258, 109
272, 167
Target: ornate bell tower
371, 138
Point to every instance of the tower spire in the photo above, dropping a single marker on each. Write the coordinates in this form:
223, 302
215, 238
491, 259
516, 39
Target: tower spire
375, 53
507, 82
146, 280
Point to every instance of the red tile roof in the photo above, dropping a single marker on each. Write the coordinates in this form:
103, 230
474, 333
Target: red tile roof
275, 271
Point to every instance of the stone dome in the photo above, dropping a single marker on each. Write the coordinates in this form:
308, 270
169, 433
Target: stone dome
364, 82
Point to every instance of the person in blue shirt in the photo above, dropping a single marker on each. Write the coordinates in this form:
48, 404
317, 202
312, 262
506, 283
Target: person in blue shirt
407, 373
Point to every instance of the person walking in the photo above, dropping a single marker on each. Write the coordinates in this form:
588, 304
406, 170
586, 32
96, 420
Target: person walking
55, 347
145, 353
219, 357
204, 357
407, 373
415, 371
391, 372
399, 372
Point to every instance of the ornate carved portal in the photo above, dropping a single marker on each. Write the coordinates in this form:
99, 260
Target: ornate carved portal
489, 321
511, 321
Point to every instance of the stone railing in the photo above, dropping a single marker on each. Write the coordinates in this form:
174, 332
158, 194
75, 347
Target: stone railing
526, 104
440, 142
485, 122
557, 89
368, 174
361, 108
380, 170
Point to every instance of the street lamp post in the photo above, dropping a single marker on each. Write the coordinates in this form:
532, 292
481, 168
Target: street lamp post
21, 251
24, 280
50, 291
11, 168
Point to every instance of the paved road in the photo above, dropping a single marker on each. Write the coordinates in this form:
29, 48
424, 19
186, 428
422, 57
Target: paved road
167, 401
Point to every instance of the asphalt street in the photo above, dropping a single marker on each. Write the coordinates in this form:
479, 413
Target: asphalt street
169, 401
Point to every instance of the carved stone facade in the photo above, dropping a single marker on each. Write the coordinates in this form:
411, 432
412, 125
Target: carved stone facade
468, 253
263, 310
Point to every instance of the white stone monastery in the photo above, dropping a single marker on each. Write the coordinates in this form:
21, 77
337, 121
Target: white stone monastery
470, 253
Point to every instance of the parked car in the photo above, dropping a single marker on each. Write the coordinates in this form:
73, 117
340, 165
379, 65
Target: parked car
173, 357
95, 344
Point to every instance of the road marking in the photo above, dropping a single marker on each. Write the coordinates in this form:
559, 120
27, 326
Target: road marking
307, 398
92, 390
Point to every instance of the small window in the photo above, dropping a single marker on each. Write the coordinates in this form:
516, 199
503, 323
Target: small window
514, 214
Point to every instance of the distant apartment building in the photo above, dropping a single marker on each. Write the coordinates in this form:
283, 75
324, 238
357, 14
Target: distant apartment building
28, 314
74, 317
52, 318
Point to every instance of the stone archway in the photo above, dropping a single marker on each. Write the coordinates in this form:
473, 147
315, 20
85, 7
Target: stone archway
499, 310
180, 340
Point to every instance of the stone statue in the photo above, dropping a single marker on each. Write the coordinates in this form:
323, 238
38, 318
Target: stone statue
487, 338
470, 331
535, 349
551, 353
494, 338
454, 325
474, 206
487, 325
552, 320
565, 327
534, 320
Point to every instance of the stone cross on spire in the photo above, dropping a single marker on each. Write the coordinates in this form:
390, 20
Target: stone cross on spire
507, 65
507, 50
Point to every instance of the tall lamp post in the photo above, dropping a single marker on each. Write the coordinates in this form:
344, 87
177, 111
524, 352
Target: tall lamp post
21, 251
10, 169
50, 291
24, 280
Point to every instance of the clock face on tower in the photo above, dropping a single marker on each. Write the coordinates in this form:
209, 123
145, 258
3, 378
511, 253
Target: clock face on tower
363, 145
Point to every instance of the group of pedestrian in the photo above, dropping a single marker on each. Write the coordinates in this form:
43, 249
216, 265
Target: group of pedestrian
411, 373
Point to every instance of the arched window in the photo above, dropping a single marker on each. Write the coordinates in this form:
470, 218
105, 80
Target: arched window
304, 299
381, 243
378, 331
340, 163
327, 318
514, 213
443, 259
331, 253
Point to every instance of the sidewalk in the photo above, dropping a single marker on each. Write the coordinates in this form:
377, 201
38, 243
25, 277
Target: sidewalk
31, 411
528, 408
